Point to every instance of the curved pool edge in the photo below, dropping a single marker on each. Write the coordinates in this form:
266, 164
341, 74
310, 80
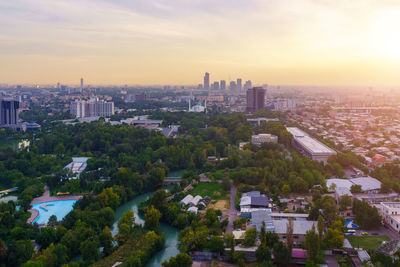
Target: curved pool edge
35, 213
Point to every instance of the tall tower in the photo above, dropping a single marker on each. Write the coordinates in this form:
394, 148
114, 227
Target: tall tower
223, 85
255, 99
81, 83
206, 81
239, 84
9, 111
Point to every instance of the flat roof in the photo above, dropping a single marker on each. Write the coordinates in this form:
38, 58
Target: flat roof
367, 183
313, 146
296, 132
308, 143
299, 227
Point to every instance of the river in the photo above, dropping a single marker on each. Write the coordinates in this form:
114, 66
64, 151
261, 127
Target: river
171, 233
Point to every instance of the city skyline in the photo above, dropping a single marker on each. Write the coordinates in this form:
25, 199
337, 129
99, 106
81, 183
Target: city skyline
308, 42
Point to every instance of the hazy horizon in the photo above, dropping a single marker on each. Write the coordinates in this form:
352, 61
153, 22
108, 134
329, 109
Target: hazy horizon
304, 42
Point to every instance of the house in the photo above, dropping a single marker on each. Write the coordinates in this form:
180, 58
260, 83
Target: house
378, 160
186, 200
254, 202
195, 201
300, 228
193, 210
260, 216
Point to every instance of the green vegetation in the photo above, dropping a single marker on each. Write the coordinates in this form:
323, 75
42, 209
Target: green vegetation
367, 242
137, 250
366, 216
213, 190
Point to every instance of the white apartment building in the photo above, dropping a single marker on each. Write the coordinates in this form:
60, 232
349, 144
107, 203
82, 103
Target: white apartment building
390, 212
91, 108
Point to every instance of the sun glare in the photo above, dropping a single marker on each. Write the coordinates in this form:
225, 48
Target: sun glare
384, 36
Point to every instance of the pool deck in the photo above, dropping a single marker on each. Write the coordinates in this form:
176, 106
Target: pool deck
46, 198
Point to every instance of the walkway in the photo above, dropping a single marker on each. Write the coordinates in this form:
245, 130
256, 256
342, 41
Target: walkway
46, 197
232, 210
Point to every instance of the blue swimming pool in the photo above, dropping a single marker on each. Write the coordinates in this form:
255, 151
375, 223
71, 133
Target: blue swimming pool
349, 224
60, 208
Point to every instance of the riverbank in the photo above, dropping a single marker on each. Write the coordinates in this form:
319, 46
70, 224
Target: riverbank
170, 233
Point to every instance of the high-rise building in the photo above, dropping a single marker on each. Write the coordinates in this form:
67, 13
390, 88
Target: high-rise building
247, 85
232, 86
216, 86
239, 84
255, 99
9, 112
81, 83
91, 108
223, 85
207, 81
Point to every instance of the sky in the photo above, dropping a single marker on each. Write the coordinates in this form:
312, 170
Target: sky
299, 42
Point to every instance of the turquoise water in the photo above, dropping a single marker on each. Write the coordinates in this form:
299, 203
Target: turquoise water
171, 233
176, 173
60, 208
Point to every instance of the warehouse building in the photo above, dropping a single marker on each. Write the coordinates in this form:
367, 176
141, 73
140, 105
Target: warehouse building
310, 147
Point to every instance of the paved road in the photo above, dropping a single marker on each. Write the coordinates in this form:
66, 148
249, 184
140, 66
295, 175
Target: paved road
232, 210
331, 261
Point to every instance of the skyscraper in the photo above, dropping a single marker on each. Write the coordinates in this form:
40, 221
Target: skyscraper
222, 85
9, 112
255, 99
81, 83
239, 84
232, 86
216, 86
207, 81
247, 85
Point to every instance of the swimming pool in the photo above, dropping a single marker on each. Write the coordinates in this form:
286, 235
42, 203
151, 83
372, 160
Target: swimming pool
349, 224
60, 208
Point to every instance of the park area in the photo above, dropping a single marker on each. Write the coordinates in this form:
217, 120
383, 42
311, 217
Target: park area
367, 242
213, 190
219, 197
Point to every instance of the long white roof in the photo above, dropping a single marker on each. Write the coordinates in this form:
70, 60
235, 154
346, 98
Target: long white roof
308, 143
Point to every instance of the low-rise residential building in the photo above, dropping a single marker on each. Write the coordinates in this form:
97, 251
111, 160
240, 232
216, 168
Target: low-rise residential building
263, 138
390, 212
300, 228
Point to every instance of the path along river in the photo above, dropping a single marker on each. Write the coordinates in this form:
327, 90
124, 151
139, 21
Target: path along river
171, 233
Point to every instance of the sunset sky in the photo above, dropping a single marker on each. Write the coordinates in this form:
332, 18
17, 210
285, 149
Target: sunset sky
303, 42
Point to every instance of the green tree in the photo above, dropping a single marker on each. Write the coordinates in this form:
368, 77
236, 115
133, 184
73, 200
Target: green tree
312, 244
20, 251
106, 239
216, 244
321, 228
152, 218
334, 238
89, 250
250, 237
345, 201
180, 260
282, 254
286, 190
355, 189
263, 254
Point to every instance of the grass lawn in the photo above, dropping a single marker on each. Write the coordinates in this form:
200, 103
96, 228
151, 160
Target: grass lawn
367, 242
213, 190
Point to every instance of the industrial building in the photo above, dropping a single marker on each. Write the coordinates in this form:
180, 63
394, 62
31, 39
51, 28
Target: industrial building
310, 147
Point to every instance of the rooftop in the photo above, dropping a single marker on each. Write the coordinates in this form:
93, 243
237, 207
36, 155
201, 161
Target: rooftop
299, 227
